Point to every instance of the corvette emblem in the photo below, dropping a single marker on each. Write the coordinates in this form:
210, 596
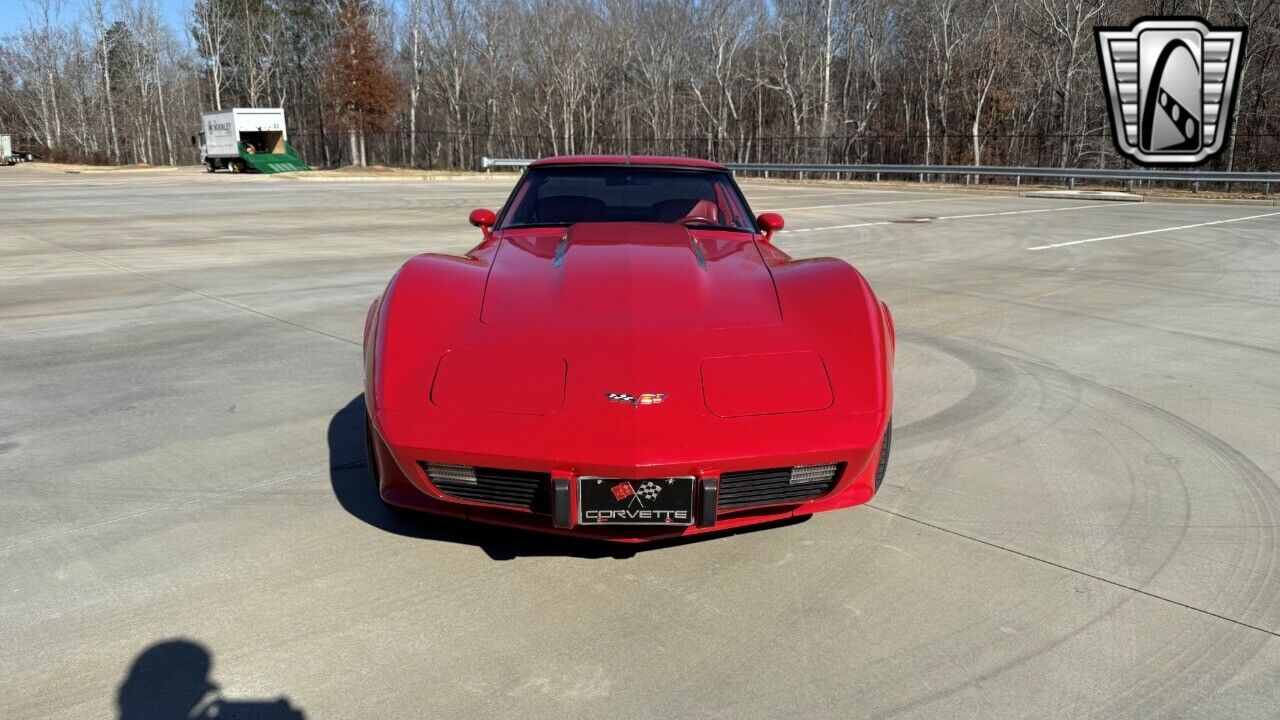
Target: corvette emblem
1171, 86
648, 490
636, 400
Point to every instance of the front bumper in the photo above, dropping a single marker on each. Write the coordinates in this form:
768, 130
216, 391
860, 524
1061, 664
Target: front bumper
402, 482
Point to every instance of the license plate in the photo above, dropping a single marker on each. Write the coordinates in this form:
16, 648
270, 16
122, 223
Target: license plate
657, 501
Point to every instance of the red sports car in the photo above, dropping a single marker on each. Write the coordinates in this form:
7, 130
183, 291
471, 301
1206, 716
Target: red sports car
627, 356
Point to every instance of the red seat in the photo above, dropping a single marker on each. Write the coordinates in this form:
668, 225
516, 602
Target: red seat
681, 209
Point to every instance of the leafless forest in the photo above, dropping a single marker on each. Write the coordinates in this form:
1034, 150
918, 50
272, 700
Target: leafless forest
439, 83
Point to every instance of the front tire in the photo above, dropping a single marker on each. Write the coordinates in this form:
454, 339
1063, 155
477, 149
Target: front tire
371, 464
371, 458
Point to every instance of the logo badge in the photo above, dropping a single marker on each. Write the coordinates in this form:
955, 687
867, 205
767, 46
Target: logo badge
1171, 86
648, 490
636, 400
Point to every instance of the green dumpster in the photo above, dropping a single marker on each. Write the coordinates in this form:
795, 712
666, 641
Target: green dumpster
287, 161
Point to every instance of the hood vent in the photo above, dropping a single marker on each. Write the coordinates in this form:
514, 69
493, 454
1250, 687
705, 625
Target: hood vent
628, 277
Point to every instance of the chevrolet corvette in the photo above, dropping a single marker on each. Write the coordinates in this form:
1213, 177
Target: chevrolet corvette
627, 355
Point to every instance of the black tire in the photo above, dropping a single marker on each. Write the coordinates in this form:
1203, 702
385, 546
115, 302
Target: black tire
371, 464
209, 166
884, 454
371, 457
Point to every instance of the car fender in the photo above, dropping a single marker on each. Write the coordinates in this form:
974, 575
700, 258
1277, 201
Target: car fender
830, 299
429, 297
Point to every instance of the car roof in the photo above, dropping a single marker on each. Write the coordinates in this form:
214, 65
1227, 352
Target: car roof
663, 160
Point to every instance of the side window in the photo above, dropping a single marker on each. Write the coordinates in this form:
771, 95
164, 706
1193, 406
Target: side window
733, 211
519, 206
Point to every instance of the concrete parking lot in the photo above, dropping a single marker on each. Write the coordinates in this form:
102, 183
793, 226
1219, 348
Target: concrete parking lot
1079, 518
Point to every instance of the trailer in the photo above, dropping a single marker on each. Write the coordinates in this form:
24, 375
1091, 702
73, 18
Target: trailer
8, 156
246, 140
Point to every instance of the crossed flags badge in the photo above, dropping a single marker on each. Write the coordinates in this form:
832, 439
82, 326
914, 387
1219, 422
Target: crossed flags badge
648, 490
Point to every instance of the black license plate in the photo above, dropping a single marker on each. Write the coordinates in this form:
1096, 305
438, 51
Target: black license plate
657, 501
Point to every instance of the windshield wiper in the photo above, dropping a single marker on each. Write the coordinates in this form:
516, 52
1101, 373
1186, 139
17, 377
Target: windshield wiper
517, 226
713, 226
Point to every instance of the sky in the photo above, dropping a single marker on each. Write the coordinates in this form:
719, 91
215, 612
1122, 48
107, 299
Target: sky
13, 14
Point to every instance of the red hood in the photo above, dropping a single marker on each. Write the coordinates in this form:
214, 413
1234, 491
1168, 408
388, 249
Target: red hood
512, 351
628, 277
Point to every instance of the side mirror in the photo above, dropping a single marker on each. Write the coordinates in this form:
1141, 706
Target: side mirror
483, 219
193, 141
770, 223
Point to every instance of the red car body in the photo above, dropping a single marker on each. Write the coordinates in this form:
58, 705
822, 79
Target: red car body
547, 357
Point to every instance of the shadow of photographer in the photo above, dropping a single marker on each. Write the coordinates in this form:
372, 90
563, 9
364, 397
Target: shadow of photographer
171, 680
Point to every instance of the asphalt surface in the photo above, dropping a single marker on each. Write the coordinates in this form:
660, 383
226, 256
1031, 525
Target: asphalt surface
1079, 518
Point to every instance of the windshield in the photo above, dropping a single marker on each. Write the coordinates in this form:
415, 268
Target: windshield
561, 196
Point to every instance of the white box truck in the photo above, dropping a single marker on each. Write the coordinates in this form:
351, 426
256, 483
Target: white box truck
8, 156
245, 139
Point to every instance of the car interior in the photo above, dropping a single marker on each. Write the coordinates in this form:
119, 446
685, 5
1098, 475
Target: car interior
578, 208
563, 197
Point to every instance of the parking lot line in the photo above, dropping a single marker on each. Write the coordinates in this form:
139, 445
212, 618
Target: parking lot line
1150, 232
176, 286
838, 227
1028, 212
892, 202
1099, 205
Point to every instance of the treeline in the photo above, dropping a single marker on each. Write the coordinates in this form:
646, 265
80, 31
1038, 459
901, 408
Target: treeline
442, 82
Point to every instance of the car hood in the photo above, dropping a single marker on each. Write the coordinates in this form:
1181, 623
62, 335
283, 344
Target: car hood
540, 344
628, 277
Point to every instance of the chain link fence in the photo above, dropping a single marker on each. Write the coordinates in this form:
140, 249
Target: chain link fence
435, 150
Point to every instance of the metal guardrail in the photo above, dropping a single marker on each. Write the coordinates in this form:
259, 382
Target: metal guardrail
488, 163
1071, 175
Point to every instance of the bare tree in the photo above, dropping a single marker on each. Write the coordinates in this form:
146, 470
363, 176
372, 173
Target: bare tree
1065, 30
98, 17
978, 81
413, 20
210, 26
988, 37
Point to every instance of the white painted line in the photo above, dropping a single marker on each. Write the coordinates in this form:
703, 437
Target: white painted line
838, 227
1098, 205
1150, 232
887, 202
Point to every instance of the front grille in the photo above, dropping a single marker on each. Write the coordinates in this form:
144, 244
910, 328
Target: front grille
518, 488
773, 486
